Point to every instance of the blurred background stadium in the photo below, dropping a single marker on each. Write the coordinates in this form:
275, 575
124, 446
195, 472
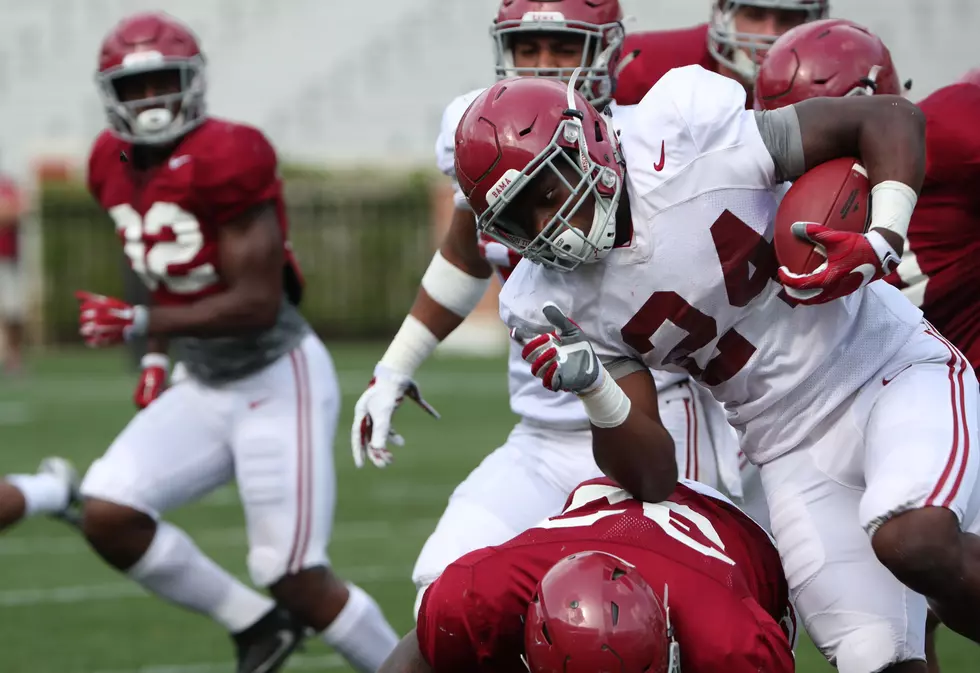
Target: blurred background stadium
351, 93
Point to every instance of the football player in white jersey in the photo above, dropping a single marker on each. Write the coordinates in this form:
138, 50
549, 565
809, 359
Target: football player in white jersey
862, 416
550, 449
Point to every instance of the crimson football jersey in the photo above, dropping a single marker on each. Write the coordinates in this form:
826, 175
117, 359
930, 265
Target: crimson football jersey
940, 272
648, 56
168, 216
727, 595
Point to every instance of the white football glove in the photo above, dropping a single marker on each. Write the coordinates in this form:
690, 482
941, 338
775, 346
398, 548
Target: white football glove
562, 359
372, 429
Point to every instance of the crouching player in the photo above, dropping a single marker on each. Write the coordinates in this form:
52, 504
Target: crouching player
612, 583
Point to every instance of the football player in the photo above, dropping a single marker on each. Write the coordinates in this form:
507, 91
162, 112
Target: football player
53, 490
938, 271
732, 43
842, 58
197, 204
549, 450
856, 409
612, 584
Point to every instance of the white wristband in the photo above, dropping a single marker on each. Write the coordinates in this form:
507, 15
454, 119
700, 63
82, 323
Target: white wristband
155, 360
892, 203
410, 347
452, 287
140, 324
607, 406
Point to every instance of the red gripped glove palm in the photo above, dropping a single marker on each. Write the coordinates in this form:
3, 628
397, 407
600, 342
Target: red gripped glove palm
852, 261
153, 379
106, 321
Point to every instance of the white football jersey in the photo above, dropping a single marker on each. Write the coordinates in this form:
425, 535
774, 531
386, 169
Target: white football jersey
695, 290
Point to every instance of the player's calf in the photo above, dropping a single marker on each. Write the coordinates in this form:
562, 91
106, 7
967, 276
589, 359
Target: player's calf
119, 534
346, 617
926, 550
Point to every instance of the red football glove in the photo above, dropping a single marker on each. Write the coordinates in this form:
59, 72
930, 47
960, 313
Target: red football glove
153, 379
853, 261
105, 321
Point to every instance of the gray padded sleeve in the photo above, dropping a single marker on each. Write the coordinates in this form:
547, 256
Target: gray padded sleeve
618, 367
780, 130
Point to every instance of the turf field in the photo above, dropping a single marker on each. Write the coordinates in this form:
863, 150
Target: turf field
62, 611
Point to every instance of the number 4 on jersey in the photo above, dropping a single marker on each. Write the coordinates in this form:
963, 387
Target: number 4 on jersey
748, 263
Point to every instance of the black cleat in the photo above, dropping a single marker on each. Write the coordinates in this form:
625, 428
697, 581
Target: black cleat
265, 645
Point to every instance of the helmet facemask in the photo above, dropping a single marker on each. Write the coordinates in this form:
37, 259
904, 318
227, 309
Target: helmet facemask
161, 118
742, 52
596, 84
560, 244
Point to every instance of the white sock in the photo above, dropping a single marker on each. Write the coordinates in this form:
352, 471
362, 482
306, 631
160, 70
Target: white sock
43, 493
174, 568
361, 633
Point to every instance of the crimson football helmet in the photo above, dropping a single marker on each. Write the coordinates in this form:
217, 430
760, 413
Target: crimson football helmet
598, 22
149, 43
594, 612
525, 127
833, 57
972, 77
741, 52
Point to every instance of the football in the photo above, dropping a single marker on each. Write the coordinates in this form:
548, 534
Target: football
835, 194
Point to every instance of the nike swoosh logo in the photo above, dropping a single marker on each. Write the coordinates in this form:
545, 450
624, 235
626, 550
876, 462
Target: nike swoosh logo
286, 640
886, 380
663, 157
866, 270
177, 162
257, 403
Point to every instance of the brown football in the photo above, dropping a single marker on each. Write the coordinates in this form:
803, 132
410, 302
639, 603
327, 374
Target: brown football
835, 194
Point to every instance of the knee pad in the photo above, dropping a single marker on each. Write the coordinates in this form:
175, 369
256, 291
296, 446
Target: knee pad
266, 566
870, 649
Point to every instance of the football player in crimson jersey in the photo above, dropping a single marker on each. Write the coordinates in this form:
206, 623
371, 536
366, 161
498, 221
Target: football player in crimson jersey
549, 450
938, 271
855, 408
612, 583
732, 43
197, 204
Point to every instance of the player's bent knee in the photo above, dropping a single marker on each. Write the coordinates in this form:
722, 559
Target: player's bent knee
118, 533
920, 547
870, 649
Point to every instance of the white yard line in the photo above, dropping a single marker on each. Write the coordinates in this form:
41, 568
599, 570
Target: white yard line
215, 538
297, 663
114, 591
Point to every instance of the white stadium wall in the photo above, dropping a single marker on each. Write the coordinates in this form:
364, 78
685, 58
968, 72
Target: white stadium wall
354, 82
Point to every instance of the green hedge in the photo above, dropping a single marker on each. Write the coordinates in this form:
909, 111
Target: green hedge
363, 241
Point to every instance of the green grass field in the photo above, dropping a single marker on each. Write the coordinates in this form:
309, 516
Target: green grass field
63, 611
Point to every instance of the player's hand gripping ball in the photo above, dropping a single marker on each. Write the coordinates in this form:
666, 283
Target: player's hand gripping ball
821, 235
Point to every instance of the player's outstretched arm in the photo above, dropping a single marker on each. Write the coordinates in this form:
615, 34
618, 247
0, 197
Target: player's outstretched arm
638, 454
251, 258
452, 286
406, 657
629, 442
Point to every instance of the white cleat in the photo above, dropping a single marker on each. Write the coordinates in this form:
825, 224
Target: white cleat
63, 470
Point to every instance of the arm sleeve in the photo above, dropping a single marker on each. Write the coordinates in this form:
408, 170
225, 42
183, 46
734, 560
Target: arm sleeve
780, 131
